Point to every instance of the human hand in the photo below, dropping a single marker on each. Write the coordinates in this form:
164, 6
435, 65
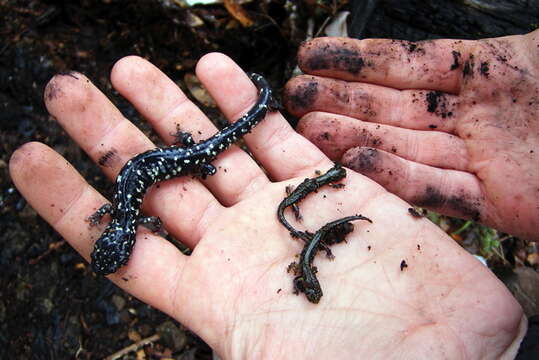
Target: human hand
449, 125
233, 290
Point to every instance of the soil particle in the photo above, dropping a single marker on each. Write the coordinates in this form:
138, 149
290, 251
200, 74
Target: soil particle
118, 301
403, 265
416, 214
172, 336
341, 96
484, 68
501, 58
438, 104
456, 60
468, 67
413, 47
432, 100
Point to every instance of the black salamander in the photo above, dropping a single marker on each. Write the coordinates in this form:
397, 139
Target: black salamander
333, 232
113, 248
329, 234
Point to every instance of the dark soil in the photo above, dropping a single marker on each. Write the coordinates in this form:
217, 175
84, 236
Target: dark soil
51, 305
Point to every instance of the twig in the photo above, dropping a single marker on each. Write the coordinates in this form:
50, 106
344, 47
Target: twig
52, 247
133, 347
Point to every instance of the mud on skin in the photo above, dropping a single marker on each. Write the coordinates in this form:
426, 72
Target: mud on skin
332, 136
456, 60
333, 142
332, 57
301, 97
411, 46
438, 103
487, 91
305, 94
366, 161
460, 204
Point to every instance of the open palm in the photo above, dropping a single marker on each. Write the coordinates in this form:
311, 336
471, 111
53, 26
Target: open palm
450, 125
234, 290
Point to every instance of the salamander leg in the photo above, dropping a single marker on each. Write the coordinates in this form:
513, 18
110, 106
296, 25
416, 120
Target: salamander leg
295, 207
96, 217
207, 169
325, 247
307, 236
183, 138
303, 235
299, 285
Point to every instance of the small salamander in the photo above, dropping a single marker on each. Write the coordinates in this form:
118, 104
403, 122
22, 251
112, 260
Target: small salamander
333, 232
113, 248
308, 186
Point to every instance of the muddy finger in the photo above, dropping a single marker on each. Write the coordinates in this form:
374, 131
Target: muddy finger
411, 109
434, 65
335, 134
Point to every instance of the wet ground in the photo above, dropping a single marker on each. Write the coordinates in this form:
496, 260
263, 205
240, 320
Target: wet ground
51, 305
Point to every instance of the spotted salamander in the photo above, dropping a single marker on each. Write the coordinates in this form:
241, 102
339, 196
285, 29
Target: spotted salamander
113, 248
333, 232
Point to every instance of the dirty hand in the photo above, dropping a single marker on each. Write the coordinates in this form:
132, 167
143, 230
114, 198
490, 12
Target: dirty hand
449, 125
233, 290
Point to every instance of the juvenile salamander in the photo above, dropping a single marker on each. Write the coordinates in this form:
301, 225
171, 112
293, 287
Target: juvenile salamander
332, 233
113, 248
335, 232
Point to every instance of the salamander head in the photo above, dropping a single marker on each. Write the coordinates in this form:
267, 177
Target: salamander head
312, 289
112, 250
337, 172
313, 295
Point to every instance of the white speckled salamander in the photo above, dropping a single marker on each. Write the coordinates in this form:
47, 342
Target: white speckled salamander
113, 248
